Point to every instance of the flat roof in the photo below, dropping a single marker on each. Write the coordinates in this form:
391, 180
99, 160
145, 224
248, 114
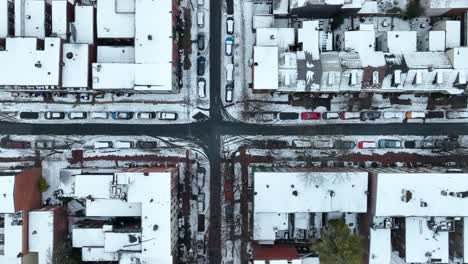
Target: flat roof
7, 192
436, 40
41, 234
98, 254
42, 66
402, 194
308, 35
401, 41
275, 37
3, 18
13, 241
291, 192
75, 69
111, 24
60, 18
423, 244
113, 75
115, 54
265, 68
83, 27
266, 225
280, 7
359, 40
112, 208
34, 25
458, 57
380, 246
427, 59
88, 237
95, 185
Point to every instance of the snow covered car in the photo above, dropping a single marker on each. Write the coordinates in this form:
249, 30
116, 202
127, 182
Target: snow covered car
77, 115
54, 115
122, 115
230, 25
389, 143
167, 116
393, 115
229, 92
201, 86
228, 46
146, 115
266, 117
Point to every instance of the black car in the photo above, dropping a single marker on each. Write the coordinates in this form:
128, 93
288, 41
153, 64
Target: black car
344, 144
370, 115
435, 114
288, 116
411, 144
29, 115
146, 144
446, 144
229, 7
201, 41
201, 66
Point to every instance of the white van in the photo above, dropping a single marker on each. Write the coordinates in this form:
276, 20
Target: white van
99, 115
415, 115
201, 19
393, 115
457, 114
124, 144
229, 72
102, 144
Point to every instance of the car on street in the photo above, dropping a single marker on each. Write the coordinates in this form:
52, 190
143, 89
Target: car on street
77, 115
457, 114
201, 202
416, 115
266, 117
201, 19
201, 174
229, 72
29, 115
230, 7
393, 115
124, 144
228, 46
350, 115
44, 144
201, 66
310, 115
344, 144
201, 87
331, 115
446, 144
54, 115
146, 144
201, 41
167, 116
146, 115
370, 115
229, 92
389, 143
288, 116
230, 25
99, 115
436, 114
102, 144
122, 115
322, 144
301, 143
13, 144
367, 145
200, 244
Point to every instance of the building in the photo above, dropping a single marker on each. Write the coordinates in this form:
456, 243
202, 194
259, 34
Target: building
285, 200
438, 7
147, 194
416, 216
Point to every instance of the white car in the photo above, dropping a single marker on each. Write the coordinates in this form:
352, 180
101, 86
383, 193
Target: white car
230, 25
124, 144
102, 144
393, 115
457, 114
146, 115
167, 116
322, 144
99, 115
77, 115
266, 117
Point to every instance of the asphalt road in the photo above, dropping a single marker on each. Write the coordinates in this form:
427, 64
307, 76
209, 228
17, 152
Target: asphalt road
210, 131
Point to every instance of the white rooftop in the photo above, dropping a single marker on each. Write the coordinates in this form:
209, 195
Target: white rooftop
13, 241
401, 41
308, 35
360, 40
41, 234
115, 54
30, 18
458, 57
114, 24
60, 18
291, 192
3, 18
421, 194
83, 27
75, 69
265, 68
266, 225
7, 192
275, 37
436, 40
42, 66
380, 246
423, 244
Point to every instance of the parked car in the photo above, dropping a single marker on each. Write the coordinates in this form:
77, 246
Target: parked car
344, 144
228, 46
146, 144
229, 92
54, 115
201, 41
436, 114
331, 115
229, 72
201, 66
167, 116
367, 145
457, 114
322, 144
370, 115
201, 19
99, 115
201, 174
123, 144
230, 25
44, 144
122, 115
230, 7
29, 115
310, 115
389, 143
422, 144
266, 117
201, 202
201, 87
301, 143
102, 144
446, 144
415, 115
77, 115
200, 245
13, 144
288, 116
350, 115
393, 115
146, 115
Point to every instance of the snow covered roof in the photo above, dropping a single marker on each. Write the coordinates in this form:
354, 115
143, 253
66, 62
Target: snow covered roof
291, 192
7, 191
452, 29
306, 260
13, 240
436, 40
458, 57
42, 66
267, 224
448, 3
401, 41
112, 208
275, 37
115, 54
114, 22
60, 18
30, 18
265, 68
83, 28
41, 234
280, 7
423, 244
4, 18
75, 69
421, 194
359, 41
427, 59
263, 21
301, 3
380, 246
308, 35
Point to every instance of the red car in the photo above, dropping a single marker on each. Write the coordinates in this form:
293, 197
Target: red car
310, 116
367, 145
